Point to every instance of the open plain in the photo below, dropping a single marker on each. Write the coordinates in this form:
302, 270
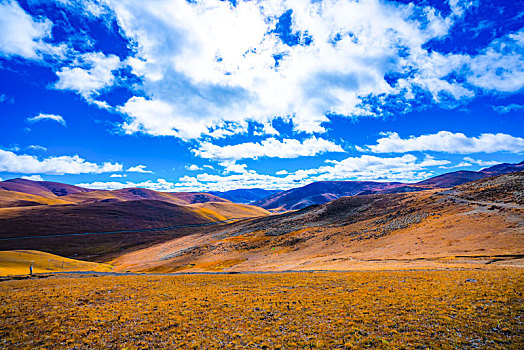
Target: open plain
462, 309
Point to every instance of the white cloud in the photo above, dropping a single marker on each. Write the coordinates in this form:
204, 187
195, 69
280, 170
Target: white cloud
445, 141
91, 73
459, 165
501, 66
431, 161
405, 168
33, 178
42, 116
26, 164
271, 147
139, 169
481, 162
230, 166
203, 63
193, 167
37, 148
22, 35
208, 67
118, 175
159, 185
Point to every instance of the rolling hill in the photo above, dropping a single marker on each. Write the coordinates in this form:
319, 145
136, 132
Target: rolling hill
52, 210
11, 199
45, 189
481, 222
127, 194
97, 217
321, 192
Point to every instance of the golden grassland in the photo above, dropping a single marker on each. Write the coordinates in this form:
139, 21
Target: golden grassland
17, 262
331, 310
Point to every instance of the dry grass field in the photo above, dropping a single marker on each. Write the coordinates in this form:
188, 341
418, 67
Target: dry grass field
466, 309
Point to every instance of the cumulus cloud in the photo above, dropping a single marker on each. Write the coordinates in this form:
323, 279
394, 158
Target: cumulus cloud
26, 164
203, 63
118, 175
230, 166
501, 66
21, 35
91, 73
210, 67
271, 147
158, 185
193, 167
139, 169
481, 162
406, 168
33, 178
42, 116
445, 141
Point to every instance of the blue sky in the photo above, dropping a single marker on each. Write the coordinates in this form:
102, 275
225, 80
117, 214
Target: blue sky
217, 95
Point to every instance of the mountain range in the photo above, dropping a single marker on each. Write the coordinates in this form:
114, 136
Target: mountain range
53, 217
326, 191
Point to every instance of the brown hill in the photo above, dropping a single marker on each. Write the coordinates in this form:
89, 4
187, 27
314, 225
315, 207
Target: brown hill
62, 227
479, 222
45, 189
127, 194
9, 199
96, 217
77, 211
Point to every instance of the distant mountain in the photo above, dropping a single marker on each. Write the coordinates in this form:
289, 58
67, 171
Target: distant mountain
21, 190
321, 192
127, 194
452, 179
325, 191
245, 195
503, 168
459, 177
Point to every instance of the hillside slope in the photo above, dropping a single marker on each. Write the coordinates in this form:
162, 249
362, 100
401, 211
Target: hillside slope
479, 222
10, 199
96, 217
319, 193
45, 189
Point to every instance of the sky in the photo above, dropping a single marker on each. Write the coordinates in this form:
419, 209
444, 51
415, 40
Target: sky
177, 95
